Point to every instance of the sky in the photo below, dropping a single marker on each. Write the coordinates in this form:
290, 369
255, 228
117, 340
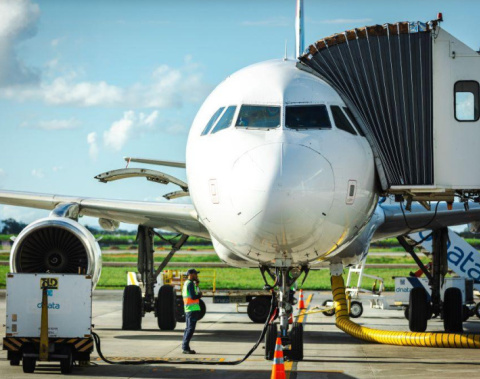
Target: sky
85, 83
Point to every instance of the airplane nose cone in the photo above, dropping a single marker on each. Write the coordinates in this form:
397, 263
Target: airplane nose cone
282, 193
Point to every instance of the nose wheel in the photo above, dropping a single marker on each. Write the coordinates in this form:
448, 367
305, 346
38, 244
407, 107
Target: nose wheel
291, 335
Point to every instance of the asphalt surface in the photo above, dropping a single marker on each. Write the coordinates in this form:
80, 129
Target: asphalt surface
225, 334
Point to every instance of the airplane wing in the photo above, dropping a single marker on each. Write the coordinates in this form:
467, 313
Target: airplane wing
397, 222
181, 218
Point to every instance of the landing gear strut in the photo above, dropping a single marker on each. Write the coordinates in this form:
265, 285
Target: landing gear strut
284, 277
163, 304
421, 308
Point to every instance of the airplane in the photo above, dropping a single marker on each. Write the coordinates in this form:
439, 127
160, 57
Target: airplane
281, 177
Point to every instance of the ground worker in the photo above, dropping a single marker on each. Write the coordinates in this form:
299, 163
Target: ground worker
191, 302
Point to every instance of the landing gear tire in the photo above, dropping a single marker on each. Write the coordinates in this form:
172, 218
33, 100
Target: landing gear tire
466, 313
418, 310
330, 312
270, 340
477, 310
356, 309
296, 339
66, 364
165, 308
29, 363
452, 310
132, 308
258, 309
406, 312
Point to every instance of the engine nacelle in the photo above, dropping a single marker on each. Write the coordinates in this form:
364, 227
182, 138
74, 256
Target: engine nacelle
56, 245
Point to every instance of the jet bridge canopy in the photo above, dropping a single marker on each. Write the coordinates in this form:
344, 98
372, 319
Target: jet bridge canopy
403, 84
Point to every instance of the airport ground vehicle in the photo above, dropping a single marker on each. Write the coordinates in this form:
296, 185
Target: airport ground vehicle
45, 322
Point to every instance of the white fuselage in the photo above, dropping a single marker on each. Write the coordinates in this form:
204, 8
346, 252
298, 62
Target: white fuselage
279, 193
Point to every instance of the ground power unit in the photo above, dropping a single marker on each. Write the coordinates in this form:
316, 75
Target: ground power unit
49, 318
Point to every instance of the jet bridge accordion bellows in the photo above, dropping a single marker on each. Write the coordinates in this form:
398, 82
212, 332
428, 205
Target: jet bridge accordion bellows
384, 72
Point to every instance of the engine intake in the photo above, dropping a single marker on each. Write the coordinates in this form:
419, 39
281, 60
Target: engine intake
56, 245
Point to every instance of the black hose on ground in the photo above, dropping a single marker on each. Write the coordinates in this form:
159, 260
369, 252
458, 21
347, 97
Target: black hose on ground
97, 341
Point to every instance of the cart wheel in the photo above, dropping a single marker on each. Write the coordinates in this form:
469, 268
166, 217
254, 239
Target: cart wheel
14, 358
66, 364
29, 363
203, 309
330, 312
259, 308
356, 309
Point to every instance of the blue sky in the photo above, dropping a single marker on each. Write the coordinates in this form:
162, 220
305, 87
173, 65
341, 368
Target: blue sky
84, 83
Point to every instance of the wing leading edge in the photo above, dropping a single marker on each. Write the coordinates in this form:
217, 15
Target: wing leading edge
181, 218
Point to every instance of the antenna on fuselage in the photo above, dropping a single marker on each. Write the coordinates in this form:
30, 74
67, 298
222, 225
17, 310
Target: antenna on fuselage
285, 57
299, 28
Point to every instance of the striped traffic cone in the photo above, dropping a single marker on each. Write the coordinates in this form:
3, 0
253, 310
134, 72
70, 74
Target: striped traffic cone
278, 368
301, 303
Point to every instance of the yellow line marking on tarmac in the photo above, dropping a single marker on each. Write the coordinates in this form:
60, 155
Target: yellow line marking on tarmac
289, 365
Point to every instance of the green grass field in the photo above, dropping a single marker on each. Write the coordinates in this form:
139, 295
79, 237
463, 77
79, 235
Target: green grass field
237, 278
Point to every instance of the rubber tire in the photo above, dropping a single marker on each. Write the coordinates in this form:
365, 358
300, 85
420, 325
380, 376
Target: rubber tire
328, 313
28, 363
180, 310
465, 313
477, 310
15, 362
405, 312
14, 358
165, 307
270, 340
453, 310
296, 339
258, 309
357, 309
132, 308
418, 310
66, 364
203, 309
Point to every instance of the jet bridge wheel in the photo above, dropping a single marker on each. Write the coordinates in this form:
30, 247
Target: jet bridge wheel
165, 308
132, 308
418, 310
453, 310
270, 340
296, 339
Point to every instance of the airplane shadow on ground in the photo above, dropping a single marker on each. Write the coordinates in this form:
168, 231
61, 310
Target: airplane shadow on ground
177, 371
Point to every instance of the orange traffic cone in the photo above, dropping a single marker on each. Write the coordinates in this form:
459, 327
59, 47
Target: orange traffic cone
278, 368
301, 303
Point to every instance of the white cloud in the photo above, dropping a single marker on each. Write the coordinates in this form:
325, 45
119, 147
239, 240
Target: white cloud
18, 19
57, 168
280, 21
38, 173
345, 21
55, 125
127, 127
92, 141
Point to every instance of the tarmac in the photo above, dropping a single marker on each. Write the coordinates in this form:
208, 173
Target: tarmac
227, 335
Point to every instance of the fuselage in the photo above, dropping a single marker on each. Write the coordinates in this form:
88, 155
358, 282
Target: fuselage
277, 168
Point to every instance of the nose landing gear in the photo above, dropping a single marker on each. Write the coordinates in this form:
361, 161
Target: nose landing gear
292, 340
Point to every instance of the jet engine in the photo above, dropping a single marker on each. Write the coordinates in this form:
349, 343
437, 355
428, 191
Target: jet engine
56, 245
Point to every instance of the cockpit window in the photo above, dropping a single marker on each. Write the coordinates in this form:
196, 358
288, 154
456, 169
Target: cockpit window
341, 121
226, 119
212, 121
254, 116
354, 121
307, 117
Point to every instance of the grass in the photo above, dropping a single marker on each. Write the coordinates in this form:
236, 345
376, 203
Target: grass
238, 278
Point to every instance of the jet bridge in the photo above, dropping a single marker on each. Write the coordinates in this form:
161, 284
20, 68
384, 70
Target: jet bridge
414, 90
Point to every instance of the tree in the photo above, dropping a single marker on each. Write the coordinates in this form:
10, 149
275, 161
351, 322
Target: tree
11, 226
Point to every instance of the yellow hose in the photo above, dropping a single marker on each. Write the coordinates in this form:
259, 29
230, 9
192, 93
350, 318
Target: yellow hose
390, 337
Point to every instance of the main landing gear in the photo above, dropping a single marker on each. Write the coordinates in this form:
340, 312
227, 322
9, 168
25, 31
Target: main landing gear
284, 278
423, 306
164, 303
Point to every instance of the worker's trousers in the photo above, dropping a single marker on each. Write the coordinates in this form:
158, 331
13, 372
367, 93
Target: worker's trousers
191, 319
